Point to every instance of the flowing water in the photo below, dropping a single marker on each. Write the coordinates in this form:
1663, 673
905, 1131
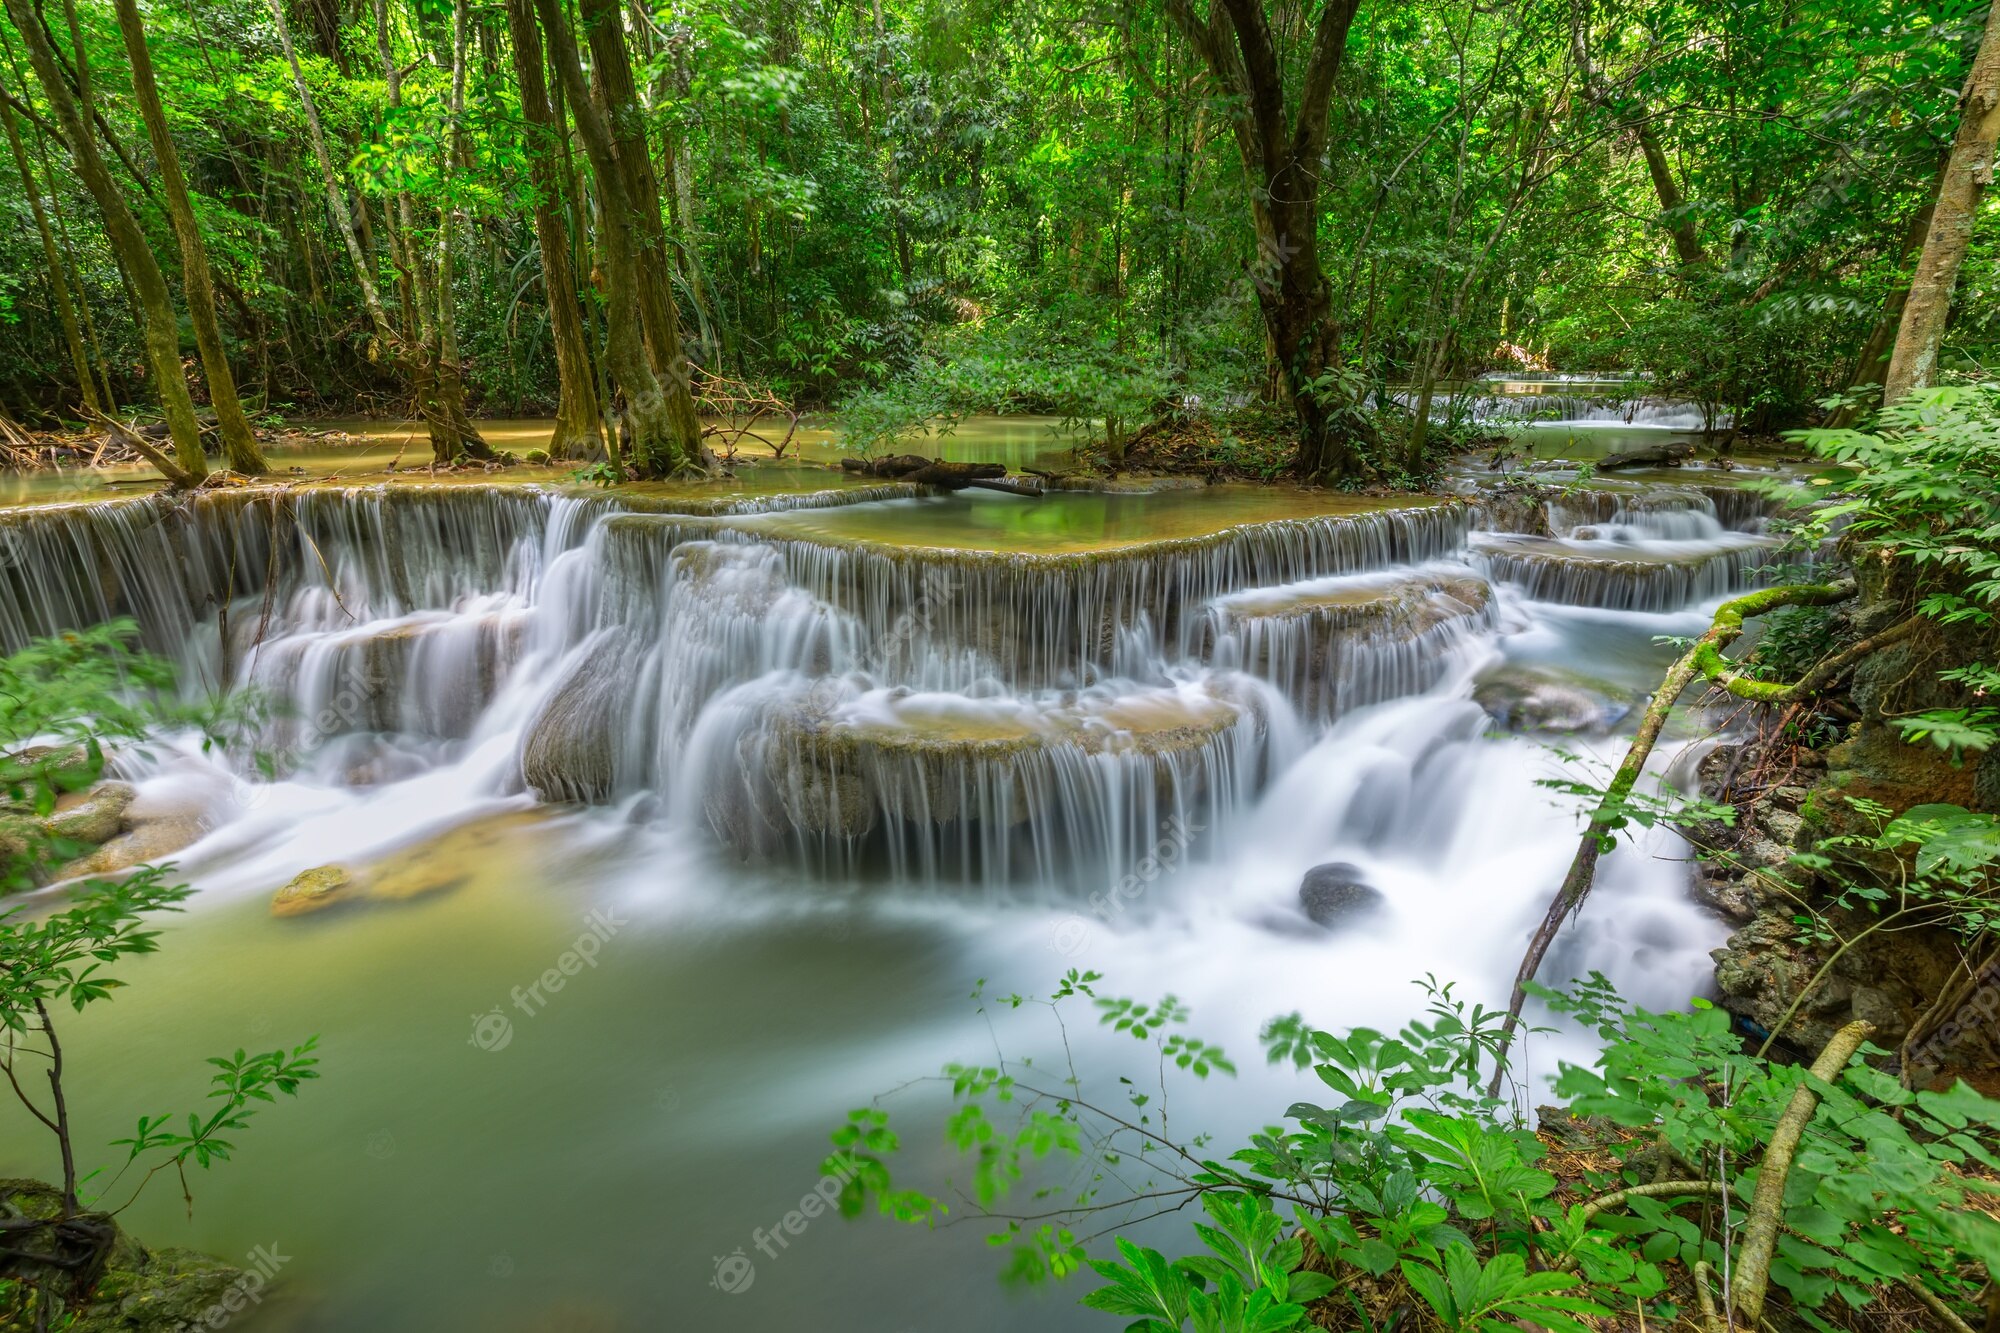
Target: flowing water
826, 766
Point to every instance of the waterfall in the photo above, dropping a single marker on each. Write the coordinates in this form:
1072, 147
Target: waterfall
843, 707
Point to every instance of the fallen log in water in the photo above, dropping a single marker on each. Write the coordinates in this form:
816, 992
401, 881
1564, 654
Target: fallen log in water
1654, 455
941, 473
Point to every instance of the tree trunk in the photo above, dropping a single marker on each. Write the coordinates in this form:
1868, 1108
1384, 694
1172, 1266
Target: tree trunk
578, 432
157, 323
659, 407
1673, 206
1282, 159
1920, 335
611, 67
1871, 365
58, 277
239, 442
463, 436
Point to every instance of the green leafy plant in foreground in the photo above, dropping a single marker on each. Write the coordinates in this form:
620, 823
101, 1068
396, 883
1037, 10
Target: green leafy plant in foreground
65, 697
1408, 1186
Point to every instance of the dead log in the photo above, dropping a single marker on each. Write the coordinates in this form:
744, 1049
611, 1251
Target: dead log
1656, 455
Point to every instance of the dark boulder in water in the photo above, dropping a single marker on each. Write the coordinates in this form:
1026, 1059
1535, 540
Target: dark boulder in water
1524, 699
1336, 894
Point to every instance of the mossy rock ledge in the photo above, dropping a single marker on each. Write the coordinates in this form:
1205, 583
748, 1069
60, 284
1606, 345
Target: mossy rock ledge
136, 1290
820, 767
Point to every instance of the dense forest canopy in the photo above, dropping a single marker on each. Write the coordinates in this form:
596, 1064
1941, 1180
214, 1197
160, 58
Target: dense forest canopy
906, 206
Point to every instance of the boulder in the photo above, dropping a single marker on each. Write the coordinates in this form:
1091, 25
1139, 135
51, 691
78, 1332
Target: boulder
1336, 894
137, 1290
145, 842
96, 815
314, 890
1522, 698
571, 753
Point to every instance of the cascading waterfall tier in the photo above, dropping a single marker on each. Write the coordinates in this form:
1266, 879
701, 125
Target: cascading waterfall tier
1335, 644
940, 714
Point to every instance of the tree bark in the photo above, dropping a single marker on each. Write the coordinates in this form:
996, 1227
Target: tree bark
58, 275
1281, 156
578, 432
1871, 365
157, 323
659, 404
1920, 334
1673, 205
239, 442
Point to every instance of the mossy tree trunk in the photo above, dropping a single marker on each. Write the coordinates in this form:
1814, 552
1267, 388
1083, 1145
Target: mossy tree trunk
155, 305
579, 418
1282, 154
239, 442
59, 289
1920, 335
659, 404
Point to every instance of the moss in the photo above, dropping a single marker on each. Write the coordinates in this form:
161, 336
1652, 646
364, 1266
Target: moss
313, 891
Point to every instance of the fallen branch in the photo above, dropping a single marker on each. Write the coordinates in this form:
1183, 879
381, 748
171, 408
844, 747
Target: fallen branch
177, 476
1704, 659
1767, 1205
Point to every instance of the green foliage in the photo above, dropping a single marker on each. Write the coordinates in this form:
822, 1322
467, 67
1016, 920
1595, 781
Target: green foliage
79, 690
1416, 1179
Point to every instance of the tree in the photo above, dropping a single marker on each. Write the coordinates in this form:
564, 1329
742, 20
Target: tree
239, 442
642, 333
1920, 334
1280, 150
159, 328
579, 429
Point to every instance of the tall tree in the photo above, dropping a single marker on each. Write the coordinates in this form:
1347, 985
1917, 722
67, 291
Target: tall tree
239, 442
57, 275
1920, 334
158, 326
643, 352
1281, 150
579, 431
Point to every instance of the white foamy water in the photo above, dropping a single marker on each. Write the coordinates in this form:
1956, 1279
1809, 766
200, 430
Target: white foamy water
825, 787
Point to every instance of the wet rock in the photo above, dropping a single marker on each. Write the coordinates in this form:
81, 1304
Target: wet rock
1336, 894
1521, 698
96, 815
313, 890
144, 843
139, 1290
571, 753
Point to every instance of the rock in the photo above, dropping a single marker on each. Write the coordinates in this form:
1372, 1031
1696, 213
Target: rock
1335, 895
139, 1290
1521, 698
96, 815
313, 890
1658, 455
536, 456
145, 842
571, 753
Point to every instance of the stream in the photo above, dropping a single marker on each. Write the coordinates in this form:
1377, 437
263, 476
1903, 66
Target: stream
819, 758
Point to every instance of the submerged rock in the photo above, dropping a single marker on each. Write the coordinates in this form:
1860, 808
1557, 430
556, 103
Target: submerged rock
1525, 698
1336, 894
313, 890
435, 865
